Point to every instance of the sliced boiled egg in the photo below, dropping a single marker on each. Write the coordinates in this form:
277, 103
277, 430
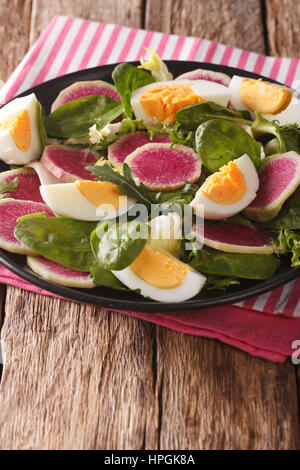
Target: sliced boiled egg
20, 140
86, 200
274, 102
228, 191
160, 101
161, 277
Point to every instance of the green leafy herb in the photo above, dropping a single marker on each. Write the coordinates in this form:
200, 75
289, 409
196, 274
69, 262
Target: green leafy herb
65, 241
116, 246
128, 78
238, 265
288, 241
104, 278
193, 115
75, 118
287, 138
125, 183
219, 141
178, 135
8, 187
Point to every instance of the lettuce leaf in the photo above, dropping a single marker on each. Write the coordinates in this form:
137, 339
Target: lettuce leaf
156, 66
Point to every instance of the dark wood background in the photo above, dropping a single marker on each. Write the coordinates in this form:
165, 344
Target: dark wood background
80, 377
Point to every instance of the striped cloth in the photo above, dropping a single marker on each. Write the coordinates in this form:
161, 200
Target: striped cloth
70, 44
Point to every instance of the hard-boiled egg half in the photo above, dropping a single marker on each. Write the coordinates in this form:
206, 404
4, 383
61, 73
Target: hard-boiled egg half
86, 200
160, 101
160, 276
20, 140
228, 191
271, 100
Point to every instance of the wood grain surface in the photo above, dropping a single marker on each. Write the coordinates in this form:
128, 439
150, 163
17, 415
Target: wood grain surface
78, 376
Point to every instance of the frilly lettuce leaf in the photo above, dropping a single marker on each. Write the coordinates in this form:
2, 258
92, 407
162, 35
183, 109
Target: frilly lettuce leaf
156, 66
288, 241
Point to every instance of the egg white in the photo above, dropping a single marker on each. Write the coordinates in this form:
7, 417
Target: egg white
191, 286
67, 200
209, 91
290, 115
9, 152
215, 211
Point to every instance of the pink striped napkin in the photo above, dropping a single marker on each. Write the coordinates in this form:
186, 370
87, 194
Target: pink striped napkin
262, 325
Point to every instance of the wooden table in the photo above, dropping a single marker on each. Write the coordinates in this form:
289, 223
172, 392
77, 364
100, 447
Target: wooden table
78, 376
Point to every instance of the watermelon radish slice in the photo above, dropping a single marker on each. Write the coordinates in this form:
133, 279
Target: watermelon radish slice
29, 184
162, 168
44, 175
236, 238
67, 164
279, 177
128, 143
81, 89
59, 274
10, 211
210, 75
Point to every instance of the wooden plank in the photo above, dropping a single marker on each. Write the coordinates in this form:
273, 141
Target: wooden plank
113, 11
75, 377
14, 34
237, 23
216, 397
283, 27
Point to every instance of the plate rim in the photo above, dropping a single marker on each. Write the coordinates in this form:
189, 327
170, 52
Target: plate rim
84, 295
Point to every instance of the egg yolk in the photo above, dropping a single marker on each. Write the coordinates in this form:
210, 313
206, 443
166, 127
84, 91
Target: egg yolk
163, 102
227, 186
19, 128
98, 192
267, 98
159, 269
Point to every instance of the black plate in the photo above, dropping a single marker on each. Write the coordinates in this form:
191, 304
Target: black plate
46, 93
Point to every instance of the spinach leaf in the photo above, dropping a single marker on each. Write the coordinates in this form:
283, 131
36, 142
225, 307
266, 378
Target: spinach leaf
8, 187
75, 118
116, 246
218, 141
288, 241
128, 78
289, 215
125, 182
65, 241
193, 115
104, 278
287, 138
238, 265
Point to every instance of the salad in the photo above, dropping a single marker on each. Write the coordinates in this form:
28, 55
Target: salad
153, 184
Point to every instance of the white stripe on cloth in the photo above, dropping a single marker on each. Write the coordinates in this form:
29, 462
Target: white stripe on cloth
77, 37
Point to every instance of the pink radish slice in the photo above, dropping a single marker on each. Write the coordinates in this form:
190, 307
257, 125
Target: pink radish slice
279, 177
28, 187
237, 238
67, 164
81, 89
10, 211
119, 150
59, 274
162, 168
210, 75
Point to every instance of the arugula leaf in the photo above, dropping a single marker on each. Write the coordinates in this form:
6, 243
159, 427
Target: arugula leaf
116, 246
288, 241
65, 241
8, 187
219, 141
193, 115
238, 265
287, 137
128, 78
104, 278
75, 118
125, 183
